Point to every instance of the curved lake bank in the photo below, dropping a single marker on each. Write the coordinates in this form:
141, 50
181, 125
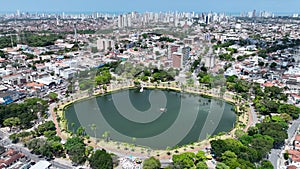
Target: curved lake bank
152, 118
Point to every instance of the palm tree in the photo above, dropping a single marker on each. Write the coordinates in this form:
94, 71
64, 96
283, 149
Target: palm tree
133, 139
72, 125
80, 131
94, 128
105, 135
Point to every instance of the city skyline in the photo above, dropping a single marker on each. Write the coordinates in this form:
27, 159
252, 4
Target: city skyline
231, 6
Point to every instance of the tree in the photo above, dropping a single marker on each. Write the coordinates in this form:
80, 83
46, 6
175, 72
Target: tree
100, 159
103, 76
144, 35
105, 135
275, 130
52, 96
188, 74
94, 128
286, 117
72, 125
190, 82
76, 149
26, 111
291, 110
57, 149
230, 159
273, 65
47, 126
200, 156
11, 122
227, 155
77, 154
239, 133
151, 163
184, 160
201, 165
262, 144
265, 164
45, 147
221, 165
80, 131
261, 64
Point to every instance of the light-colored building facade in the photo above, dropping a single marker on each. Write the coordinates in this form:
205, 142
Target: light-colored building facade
105, 44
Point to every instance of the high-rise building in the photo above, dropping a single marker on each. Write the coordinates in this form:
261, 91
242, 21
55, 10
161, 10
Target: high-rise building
185, 54
18, 12
254, 13
120, 21
171, 49
177, 60
105, 44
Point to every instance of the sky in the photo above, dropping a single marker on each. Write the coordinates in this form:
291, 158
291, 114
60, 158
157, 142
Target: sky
230, 6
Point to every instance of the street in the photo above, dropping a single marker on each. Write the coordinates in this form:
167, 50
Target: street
276, 153
254, 115
7, 143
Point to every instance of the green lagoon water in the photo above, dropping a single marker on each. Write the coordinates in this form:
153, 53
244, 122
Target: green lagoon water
152, 118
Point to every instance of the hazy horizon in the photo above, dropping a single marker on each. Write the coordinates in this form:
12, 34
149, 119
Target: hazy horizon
121, 6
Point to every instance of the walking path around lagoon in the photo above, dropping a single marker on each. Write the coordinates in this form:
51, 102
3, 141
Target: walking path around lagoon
122, 149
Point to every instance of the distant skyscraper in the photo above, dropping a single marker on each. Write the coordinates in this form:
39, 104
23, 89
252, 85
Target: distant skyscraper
18, 12
129, 21
254, 13
120, 21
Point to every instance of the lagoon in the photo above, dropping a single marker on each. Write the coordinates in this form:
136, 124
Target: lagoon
153, 118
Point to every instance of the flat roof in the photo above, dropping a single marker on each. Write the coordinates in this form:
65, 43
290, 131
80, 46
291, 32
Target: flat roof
41, 165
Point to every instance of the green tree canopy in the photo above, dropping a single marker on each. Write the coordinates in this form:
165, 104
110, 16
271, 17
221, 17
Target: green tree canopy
100, 159
151, 163
76, 149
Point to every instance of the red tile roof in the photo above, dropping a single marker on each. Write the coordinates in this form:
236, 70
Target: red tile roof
297, 138
268, 84
295, 155
291, 167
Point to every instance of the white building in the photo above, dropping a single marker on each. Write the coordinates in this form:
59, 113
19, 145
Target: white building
105, 44
41, 165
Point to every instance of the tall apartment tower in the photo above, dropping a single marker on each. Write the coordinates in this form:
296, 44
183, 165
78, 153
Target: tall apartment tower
120, 21
105, 44
171, 49
185, 54
177, 60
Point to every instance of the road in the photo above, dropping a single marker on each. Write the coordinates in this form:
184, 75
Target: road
254, 115
275, 153
5, 141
